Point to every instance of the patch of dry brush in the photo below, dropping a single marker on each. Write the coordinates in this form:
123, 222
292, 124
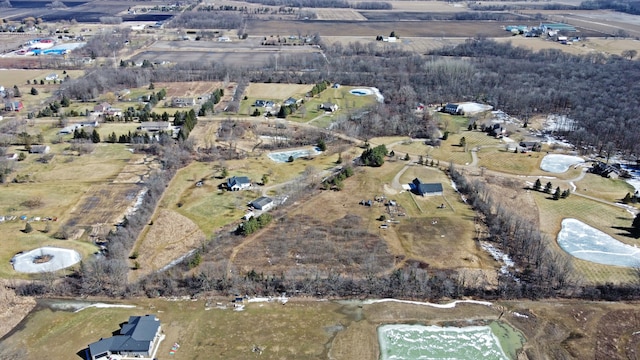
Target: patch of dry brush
342, 246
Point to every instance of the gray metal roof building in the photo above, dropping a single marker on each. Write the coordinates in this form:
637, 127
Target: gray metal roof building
136, 338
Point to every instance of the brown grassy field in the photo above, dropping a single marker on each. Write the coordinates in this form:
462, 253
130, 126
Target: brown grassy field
168, 236
339, 14
279, 92
338, 330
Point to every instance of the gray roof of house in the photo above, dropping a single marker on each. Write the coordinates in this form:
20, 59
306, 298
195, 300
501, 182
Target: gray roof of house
135, 335
239, 180
261, 201
423, 188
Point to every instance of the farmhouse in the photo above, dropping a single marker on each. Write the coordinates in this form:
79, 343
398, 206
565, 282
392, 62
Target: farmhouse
330, 107
39, 149
102, 107
262, 203
424, 189
154, 126
237, 183
136, 338
13, 106
183, 102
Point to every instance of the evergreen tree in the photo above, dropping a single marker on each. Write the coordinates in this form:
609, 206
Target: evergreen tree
16, 91
112, 138
65, 102
636, 224
34, 91
556, 194
95, 137
627, 199
322, 145
463, 141
27, 228
547, 188
537, 185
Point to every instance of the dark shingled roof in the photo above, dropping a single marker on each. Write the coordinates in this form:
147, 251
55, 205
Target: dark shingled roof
135, 336
422, 188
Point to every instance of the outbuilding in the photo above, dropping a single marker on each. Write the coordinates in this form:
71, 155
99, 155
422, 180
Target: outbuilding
262, 203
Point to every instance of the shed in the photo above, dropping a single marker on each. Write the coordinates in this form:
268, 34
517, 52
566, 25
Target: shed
39, 149
262, 203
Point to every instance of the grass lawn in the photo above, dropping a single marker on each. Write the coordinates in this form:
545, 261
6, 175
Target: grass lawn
500, 159
604, 188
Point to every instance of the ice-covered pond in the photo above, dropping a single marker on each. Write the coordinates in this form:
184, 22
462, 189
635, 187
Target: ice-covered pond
558, 163
435, 342
45, 259
588, 243
283, 156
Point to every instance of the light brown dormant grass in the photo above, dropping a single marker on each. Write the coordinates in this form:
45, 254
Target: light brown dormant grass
168, 236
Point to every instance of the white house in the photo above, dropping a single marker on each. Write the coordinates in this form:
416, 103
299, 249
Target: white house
237, 183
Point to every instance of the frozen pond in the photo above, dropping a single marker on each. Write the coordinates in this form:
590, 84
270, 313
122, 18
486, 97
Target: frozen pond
283, 156
436, 342
558, 163
361, 92
588, 243
59, 259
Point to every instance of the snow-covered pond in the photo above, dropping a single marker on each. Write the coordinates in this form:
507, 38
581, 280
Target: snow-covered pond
435, 342
59, 259
283, 156
588, 243
558, 163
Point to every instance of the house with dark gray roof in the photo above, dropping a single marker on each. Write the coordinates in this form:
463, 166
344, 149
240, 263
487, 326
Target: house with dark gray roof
136, 338
262, 203
236, 183
426, 189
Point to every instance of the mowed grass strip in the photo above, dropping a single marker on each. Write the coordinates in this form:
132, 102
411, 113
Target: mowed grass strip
613, 190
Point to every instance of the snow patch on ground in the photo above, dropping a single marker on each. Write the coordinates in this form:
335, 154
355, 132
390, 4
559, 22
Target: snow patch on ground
60, 259
588, 243
450, 305
104, 306
499, 256
559, 163
378, 94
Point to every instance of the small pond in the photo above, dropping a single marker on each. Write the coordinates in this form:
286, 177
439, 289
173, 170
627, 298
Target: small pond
283, 156
558, 163
588, 243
